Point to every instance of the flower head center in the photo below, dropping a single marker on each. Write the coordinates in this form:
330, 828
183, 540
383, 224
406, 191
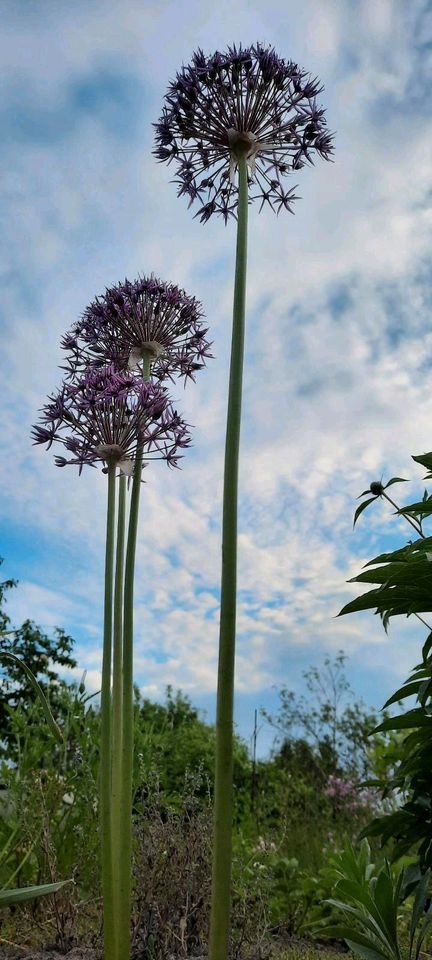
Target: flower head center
150, 350
245, 144
110, 451
241, 143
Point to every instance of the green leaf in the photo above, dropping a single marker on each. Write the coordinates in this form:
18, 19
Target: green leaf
395, 480
5, 851
366, 915
421, 508
425, 460
418, 905
362, 507
365, 946
363, 951
419, 546
427, 647
425, 691
386, 900
422, 934
409, 720
29, 893
55, 729
406, 691
413, 572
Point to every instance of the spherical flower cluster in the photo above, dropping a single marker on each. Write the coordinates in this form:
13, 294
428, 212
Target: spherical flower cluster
146, 318
107, 416
250, 102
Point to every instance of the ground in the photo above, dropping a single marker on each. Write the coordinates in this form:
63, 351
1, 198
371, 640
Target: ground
300, 950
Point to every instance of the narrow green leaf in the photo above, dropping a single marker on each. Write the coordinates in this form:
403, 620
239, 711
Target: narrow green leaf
425, 691
395, 480
406, 691
418, 906
366, 915
369, 953
386, 900
427, 647
55, 729
362, 507
4, 852
409, 720
423, 931
355, 939
29, 893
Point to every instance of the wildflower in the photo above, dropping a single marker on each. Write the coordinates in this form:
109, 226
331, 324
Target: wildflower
143, 319
245, 102
250, 116
106, 416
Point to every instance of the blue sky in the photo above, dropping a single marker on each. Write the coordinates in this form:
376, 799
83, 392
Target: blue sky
339, 340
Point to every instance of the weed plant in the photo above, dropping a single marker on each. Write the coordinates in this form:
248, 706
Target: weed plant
286, 828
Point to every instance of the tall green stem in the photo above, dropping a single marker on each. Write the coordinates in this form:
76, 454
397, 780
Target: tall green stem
223, 796
125, 835
105, 743
117, 698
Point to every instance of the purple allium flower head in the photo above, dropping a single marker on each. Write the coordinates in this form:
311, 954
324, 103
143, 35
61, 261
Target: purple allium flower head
106, 415
245, 101
144, 317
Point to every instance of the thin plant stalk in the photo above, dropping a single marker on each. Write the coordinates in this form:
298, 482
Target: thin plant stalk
414, 523
117, 696
105, 743
223, 794
125, 826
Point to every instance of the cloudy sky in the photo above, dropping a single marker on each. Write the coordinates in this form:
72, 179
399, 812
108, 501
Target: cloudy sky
339, 338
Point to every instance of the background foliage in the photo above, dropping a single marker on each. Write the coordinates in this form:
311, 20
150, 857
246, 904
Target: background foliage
292, 809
